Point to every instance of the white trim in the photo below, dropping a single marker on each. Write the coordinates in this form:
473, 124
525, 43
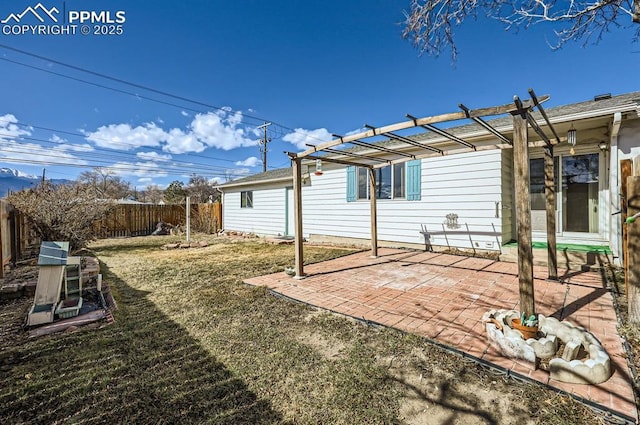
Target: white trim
256, 182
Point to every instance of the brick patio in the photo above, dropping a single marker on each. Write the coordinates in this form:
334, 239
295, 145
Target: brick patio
443, 297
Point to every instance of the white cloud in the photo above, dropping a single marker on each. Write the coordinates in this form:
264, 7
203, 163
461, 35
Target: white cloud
159, 120
184, 113
300, 137
125, 137
145, 180
252, 161
64, 145
220, 130
356, 131
9, 128
177, 142
148, 169
20, 151
153, 156
75, 148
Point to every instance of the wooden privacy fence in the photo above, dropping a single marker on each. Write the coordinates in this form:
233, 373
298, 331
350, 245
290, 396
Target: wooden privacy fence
140, 219
18, 241
630, 192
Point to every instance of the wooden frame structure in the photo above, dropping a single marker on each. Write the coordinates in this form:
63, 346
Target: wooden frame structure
401, 148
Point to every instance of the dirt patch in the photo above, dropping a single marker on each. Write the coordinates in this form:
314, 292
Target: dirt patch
329, 349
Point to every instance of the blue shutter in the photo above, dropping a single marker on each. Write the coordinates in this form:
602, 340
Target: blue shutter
413, 180
352, 183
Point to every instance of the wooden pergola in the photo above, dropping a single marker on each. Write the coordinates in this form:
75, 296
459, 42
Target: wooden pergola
407, 147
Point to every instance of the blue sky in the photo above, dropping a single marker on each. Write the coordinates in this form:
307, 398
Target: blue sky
312, 68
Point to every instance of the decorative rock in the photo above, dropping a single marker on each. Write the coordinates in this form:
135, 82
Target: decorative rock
595, 370
508, 341
544, 347
10, 288
570, 351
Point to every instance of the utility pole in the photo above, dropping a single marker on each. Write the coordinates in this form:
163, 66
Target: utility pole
263, 145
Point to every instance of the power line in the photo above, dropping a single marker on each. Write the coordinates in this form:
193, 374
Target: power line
69, 133
116, 155
109, 164
121, 81
130, 169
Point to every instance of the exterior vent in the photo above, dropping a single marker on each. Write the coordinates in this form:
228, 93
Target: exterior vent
602, 96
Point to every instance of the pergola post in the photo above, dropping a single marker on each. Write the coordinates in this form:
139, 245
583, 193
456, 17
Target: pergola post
297, 211
550, 198
374, 212
523, 213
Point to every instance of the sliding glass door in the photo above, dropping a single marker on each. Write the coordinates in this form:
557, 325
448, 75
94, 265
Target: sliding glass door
576, 198
580, 184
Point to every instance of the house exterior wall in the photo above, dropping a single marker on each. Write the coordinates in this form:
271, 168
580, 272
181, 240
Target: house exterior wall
629, 139
507, 206
625, 146
268, 215
467, 185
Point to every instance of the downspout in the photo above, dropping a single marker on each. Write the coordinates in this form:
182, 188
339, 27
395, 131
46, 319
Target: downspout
615, 230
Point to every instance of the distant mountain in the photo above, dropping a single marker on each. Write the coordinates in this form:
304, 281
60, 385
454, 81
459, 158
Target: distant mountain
14, 180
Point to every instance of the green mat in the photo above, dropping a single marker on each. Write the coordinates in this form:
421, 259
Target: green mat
570, 247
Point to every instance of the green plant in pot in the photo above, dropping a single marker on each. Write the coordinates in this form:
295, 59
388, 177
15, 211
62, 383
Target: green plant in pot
527, 326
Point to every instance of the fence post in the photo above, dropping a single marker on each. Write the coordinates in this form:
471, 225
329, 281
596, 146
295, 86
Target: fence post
633, 249
2, 205
188, 218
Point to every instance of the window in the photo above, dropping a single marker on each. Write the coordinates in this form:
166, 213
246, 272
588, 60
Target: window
399, 181
246, 199
383, 182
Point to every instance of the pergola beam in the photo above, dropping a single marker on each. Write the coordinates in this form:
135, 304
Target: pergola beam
532, 122
373, 213
523, 210
550, 208
404, 139
538, 104
328, 159
484, 124
443, 133
356, 155
297, 212
452, 116
381, 148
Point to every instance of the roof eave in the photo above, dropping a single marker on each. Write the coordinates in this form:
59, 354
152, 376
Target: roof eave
255, 182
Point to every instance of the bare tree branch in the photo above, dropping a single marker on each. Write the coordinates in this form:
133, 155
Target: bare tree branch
430, 23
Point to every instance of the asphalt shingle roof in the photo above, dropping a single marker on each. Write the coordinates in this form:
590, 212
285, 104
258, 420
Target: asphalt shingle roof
558, 111
279, 173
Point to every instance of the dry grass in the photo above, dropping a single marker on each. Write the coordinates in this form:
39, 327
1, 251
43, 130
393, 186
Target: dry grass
193, 344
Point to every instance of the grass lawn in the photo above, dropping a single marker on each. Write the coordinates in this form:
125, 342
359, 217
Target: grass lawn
192, 344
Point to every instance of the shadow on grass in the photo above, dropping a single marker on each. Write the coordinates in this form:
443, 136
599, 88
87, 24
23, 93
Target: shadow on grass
143, 368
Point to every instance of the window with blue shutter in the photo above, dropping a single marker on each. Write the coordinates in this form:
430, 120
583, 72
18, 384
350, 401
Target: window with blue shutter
352, 183
414, 186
